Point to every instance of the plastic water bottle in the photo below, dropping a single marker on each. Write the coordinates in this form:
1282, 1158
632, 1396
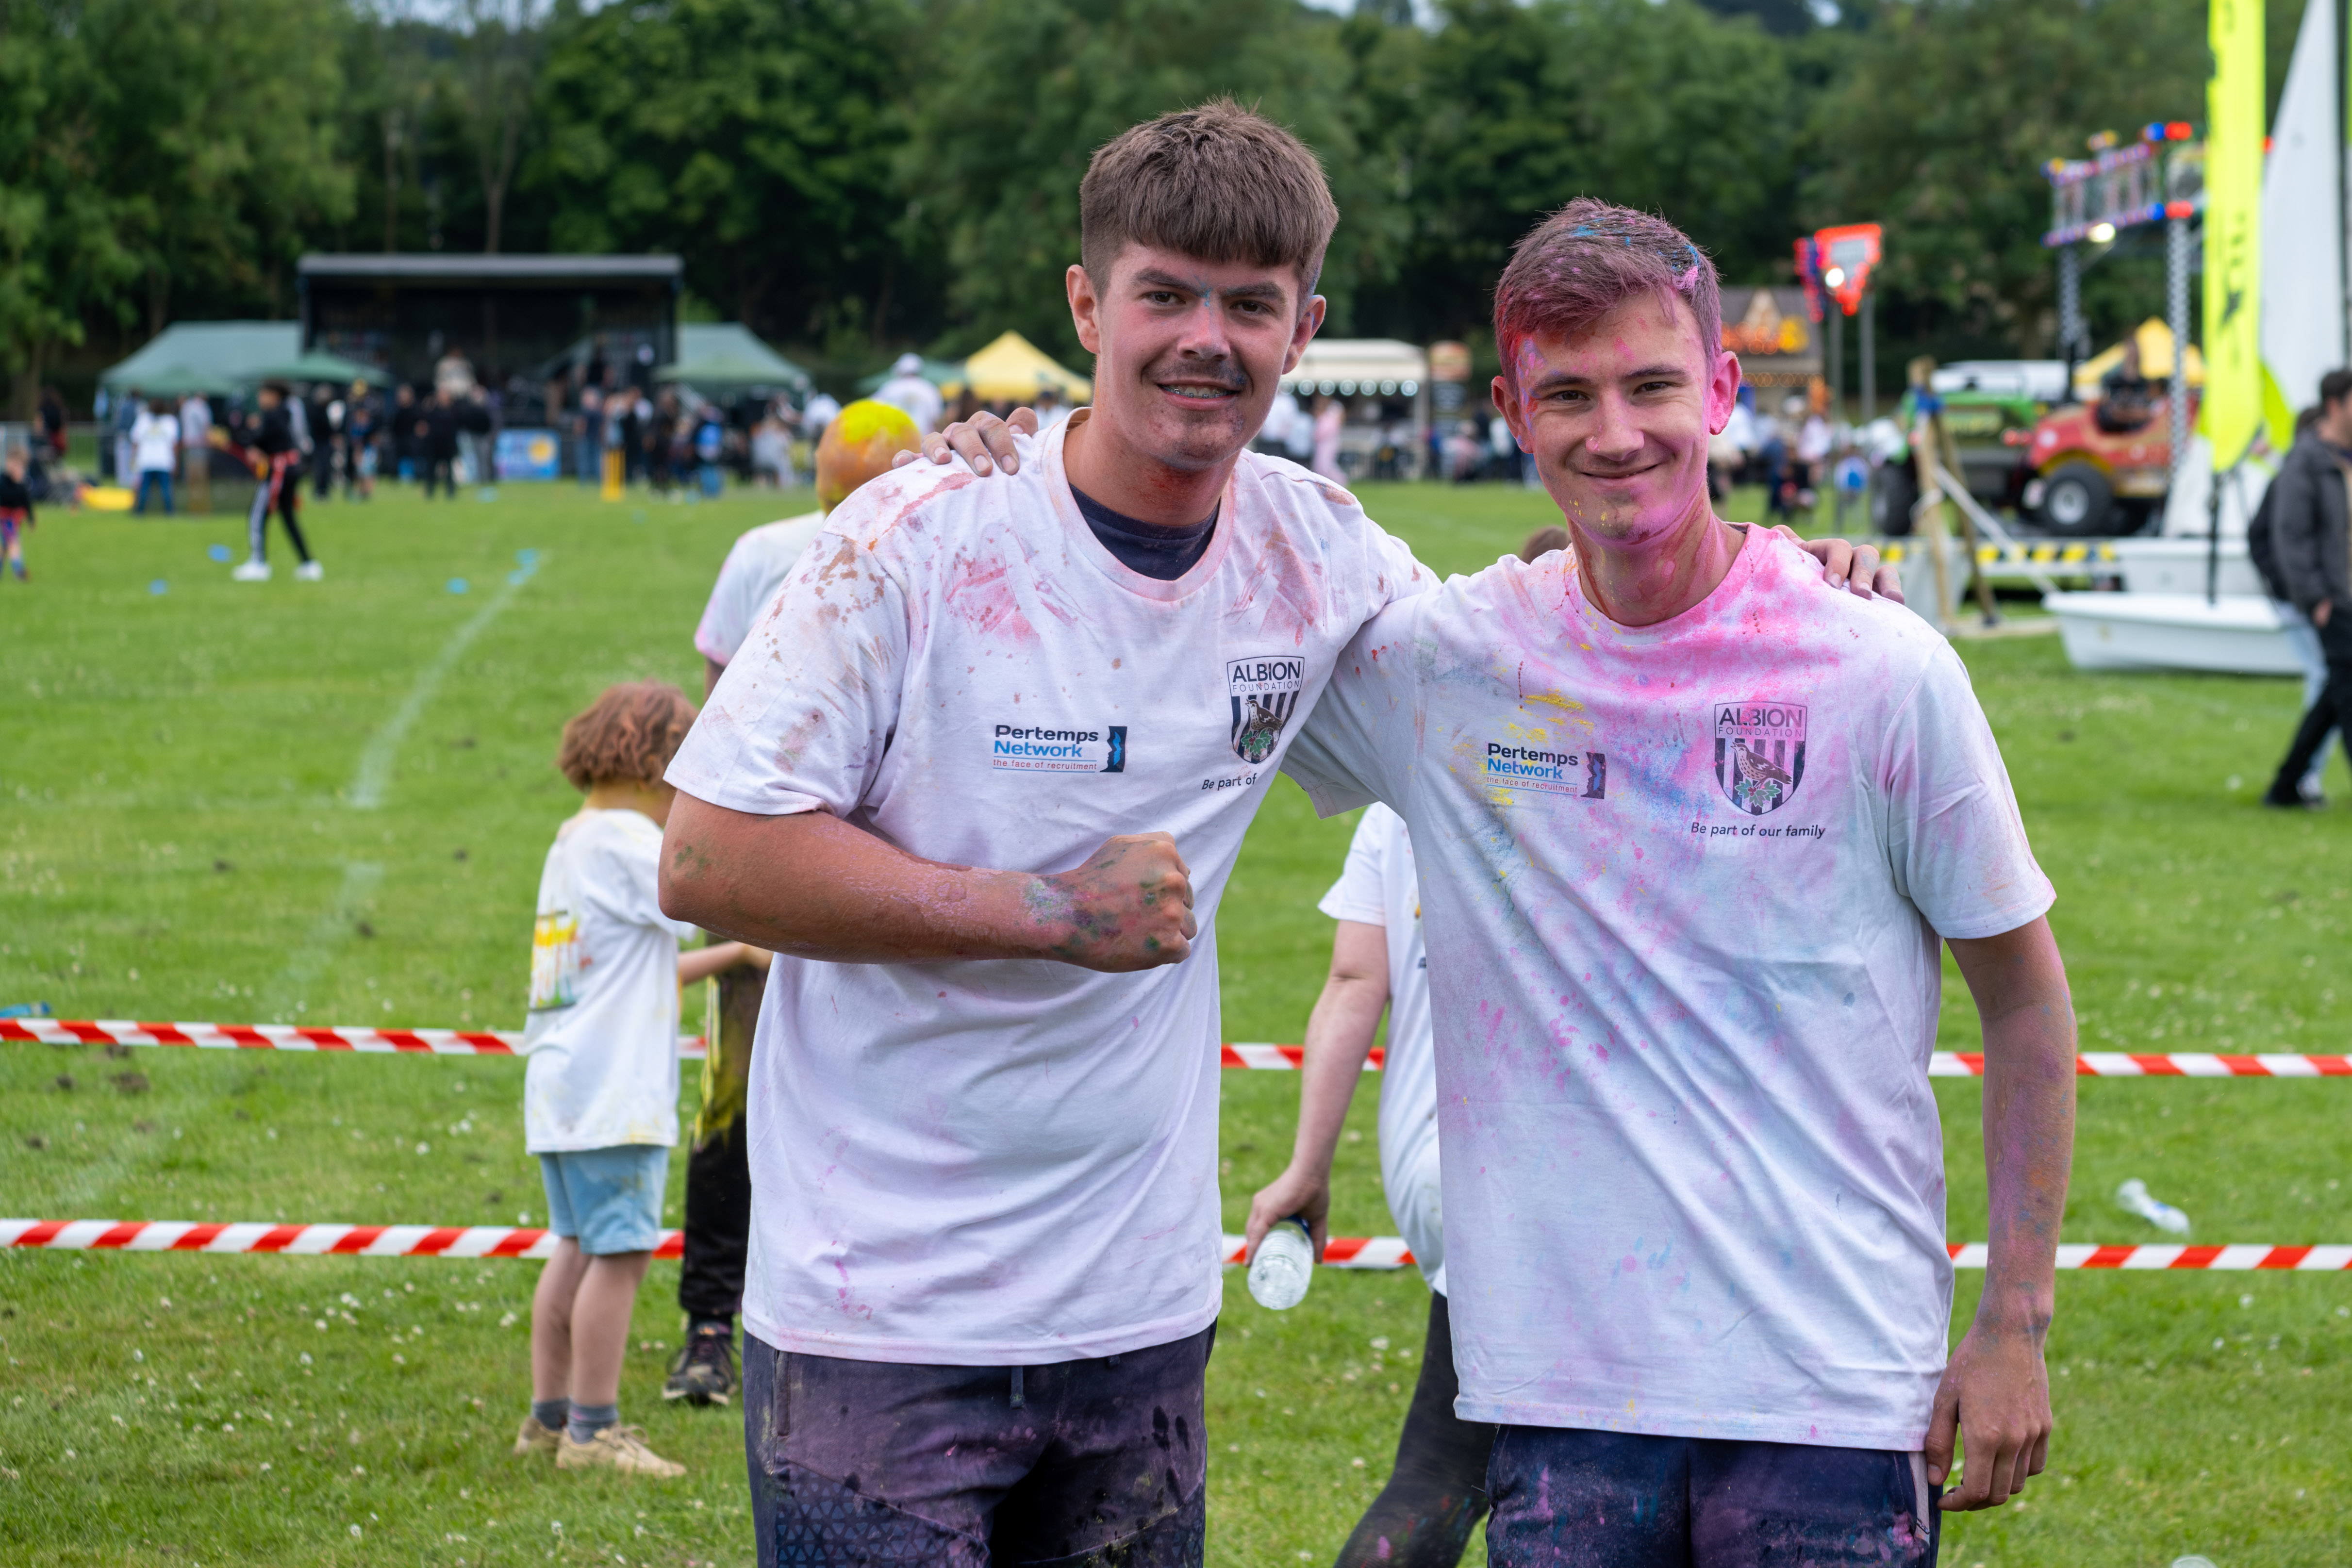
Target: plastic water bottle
1284, 1266
2135, 1197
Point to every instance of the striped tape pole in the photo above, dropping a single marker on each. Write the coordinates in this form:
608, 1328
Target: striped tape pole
1339, 1253
282, 1037
1243, 1055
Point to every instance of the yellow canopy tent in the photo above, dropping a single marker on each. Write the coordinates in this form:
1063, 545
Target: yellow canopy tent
1014, 369
2154, 341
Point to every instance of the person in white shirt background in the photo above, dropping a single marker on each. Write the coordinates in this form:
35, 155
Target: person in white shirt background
196, 452
1330, 419
910, 390
1692, 837
600, 1084
859, 444
155, 448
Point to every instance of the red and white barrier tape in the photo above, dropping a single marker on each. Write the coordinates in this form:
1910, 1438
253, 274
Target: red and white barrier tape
1245, 1055
1971, 1065
2172, 1255
1339, 1253
282, 1037
300, 1240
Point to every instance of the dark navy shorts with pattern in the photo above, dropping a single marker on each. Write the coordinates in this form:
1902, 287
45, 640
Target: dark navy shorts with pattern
1078, 1463
1570, 1497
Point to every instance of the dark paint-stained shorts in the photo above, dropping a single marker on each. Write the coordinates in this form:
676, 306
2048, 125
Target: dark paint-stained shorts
1078, 1463
1577, 1499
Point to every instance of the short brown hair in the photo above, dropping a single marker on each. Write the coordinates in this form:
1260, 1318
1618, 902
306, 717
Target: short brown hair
1587, 259
1220, 183
628, 736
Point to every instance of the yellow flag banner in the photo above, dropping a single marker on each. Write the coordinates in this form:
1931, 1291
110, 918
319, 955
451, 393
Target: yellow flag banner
2232, 410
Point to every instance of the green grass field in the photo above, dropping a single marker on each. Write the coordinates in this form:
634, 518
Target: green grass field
328, 802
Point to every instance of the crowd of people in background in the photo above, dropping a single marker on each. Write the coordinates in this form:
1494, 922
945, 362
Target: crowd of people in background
612, 420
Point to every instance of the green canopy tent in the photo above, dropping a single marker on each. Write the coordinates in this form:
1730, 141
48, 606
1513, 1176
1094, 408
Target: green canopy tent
319, 365
224, 356
723, 356
176, 381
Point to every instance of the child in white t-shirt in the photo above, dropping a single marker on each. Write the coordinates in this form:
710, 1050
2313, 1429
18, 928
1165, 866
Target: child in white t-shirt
599, 1092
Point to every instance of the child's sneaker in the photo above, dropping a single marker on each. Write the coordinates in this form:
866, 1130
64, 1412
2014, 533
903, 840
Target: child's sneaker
310, 572
622, 1449
535, 1438
252, 572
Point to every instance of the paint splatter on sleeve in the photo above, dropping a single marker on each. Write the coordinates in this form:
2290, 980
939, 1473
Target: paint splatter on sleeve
802, 717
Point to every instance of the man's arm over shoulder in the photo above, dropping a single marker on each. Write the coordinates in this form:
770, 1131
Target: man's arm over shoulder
1354, 746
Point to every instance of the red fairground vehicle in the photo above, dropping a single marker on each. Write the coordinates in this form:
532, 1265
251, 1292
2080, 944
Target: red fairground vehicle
2100, 467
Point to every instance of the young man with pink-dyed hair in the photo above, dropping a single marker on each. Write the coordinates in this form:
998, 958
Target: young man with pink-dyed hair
1692, 831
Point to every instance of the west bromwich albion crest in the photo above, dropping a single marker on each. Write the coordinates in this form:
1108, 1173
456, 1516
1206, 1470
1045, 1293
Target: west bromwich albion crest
1759, 753
1264, 692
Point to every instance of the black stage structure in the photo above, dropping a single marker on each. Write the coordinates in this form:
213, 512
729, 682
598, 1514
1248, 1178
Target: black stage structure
521, 321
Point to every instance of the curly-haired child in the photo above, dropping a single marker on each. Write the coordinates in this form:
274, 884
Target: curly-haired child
599, 1094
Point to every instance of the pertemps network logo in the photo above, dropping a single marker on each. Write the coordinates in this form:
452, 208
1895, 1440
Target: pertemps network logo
1037, 748
1509, 766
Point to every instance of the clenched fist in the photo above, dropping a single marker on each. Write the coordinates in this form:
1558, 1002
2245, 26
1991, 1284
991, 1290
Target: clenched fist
1129, 906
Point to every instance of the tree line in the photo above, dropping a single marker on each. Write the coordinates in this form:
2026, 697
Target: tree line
854, 177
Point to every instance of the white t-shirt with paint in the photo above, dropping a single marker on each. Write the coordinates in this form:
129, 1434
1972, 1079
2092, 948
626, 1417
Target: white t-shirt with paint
1684, 889
1014, 1162
755, 568
602, 1037
1379, 886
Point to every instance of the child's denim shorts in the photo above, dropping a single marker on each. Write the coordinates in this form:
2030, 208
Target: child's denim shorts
608, 1200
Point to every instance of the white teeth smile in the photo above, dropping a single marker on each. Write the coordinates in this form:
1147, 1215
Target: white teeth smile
1204, 394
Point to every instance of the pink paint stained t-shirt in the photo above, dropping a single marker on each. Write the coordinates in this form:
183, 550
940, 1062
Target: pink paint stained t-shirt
1004, 1163
1683, 887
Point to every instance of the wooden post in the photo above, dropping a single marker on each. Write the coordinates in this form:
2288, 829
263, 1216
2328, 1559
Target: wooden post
1982, 580
1935, 533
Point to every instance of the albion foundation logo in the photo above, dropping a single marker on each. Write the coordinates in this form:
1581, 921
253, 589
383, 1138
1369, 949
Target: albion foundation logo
1759, 753
1264, 692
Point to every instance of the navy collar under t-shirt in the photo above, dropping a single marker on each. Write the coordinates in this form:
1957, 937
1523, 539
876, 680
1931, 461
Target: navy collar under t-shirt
1146, 547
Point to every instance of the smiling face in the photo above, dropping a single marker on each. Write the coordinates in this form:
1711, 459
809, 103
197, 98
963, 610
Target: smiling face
1189, 353
1618, 419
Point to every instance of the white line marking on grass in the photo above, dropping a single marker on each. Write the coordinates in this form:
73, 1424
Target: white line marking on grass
368, 786
374, 776
308, 964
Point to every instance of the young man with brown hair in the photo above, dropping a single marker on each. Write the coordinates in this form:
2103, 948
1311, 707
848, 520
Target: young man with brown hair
1692, 833
983, 1104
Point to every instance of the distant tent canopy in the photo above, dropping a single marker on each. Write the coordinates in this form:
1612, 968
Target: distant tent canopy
221, 356
1014, 369
1359, 367
2154, 341
724, 356
1010, 369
